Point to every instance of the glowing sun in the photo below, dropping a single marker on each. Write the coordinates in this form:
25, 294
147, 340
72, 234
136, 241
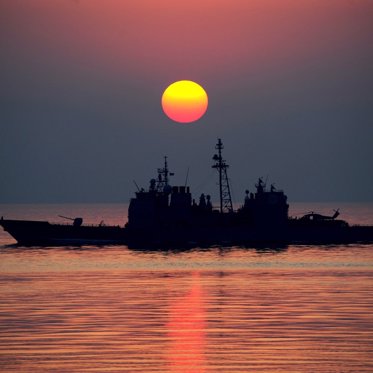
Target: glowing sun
184, 101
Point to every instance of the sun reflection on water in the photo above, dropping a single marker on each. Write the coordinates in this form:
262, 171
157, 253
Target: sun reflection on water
186, 330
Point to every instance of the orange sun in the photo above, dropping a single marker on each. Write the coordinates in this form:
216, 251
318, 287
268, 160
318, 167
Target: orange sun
184, 101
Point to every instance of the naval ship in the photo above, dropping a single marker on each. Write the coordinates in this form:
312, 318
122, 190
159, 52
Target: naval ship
167, 216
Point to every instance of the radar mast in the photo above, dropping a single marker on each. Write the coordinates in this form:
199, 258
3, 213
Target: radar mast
163, 178
224, 189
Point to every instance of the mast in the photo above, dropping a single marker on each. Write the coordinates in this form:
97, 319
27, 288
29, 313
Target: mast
224, 189
163, 177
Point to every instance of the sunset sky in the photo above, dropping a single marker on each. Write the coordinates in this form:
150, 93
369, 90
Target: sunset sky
289, 84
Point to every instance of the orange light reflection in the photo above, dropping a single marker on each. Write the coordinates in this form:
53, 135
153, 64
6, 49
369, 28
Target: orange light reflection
187, 331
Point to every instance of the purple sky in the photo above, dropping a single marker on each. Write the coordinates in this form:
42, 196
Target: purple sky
289, 84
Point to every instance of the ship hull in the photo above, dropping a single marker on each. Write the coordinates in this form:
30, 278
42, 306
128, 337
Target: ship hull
330, 235
250, 236
42, 233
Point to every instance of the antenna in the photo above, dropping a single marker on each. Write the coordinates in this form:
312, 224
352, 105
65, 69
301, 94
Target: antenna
186, 178
224, 189
136, 185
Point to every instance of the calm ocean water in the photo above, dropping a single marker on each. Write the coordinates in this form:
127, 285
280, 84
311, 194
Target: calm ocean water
231, 309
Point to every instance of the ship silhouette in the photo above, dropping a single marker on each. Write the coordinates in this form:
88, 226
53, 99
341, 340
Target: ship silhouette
167, 216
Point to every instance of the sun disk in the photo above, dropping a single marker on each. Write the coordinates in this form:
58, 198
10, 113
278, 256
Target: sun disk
184, 101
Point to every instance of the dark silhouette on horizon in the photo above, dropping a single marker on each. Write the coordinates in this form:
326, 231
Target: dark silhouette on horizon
167, 216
